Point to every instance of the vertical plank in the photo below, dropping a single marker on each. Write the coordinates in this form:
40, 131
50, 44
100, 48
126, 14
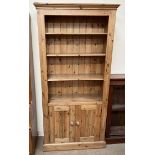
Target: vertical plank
57, 44
56, 24
98, 45
63, 25
102, 23
50, 25
51, 66
93, 123
87, 65
90, 122
75, 72
61, 124
43, 65
69, 62
72, 124
91, 87
76, 25
75, 65
93, 65
66, 124
88, 44
95, 25
51, 45
47, 46
88, 25
76, 45
78, 124
53, 88
93, 40
81, 70
99, 66
69, 24
87, 123
107, 69
82, 24
82, 45
75, 88
86, 87
58, 88
65, 87
63, 46
98, 122
81, 65
57, 120
52, 127
81, 87
63, 65
83, 123
70, 88
57, 65
70, 44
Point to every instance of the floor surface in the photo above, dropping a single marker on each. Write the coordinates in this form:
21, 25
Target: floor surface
112, 149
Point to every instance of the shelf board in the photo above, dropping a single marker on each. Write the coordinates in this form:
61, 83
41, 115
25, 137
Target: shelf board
118, 107
70, 99
75, 54
74, 77
117, 131
48, 33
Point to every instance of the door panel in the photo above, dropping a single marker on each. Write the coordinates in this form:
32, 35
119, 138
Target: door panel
59, 124
75, 123
89, 123
97, 125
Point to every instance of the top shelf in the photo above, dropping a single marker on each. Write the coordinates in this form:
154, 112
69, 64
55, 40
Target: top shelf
48, 33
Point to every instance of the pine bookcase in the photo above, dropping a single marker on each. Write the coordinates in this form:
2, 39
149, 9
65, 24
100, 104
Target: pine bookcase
75, 43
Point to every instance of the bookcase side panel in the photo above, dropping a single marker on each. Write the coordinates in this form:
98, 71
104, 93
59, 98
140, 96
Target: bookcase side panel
107, 70
43, 66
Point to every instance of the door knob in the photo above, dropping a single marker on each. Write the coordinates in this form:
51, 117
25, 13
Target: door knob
77, 123
71, 123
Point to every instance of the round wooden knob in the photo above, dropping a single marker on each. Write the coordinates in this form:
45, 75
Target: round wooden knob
71, 123
77, 123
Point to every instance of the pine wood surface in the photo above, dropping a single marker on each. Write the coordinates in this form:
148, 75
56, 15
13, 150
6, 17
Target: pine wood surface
75, 55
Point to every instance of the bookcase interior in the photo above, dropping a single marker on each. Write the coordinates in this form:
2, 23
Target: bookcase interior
77, 24
80, 44
75, 91
75, 49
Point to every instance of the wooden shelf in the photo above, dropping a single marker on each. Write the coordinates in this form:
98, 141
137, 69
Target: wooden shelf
75, 99
117, 131
47, 33
118, 107
75, 54
74, 77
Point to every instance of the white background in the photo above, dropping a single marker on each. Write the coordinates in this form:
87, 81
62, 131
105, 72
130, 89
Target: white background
139, 71
118, 57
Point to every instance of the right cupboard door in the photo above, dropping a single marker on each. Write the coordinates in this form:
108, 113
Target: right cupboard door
88, 122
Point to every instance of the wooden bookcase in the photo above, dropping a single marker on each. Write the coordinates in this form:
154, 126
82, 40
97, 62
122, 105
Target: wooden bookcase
76, 43
115, 126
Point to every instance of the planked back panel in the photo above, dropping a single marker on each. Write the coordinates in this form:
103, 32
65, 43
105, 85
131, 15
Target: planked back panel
75, 87
79, 44
68, 24
75, 65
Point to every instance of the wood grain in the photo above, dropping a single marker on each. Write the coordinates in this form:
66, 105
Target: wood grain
43, 66
76, 43
74, 146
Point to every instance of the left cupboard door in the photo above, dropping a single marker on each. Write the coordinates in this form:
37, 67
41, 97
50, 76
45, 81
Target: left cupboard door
59, 117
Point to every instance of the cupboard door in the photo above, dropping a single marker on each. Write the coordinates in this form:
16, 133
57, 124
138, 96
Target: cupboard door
87, 123
59, 124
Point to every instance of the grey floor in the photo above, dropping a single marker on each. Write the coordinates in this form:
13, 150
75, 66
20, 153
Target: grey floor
112, 149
